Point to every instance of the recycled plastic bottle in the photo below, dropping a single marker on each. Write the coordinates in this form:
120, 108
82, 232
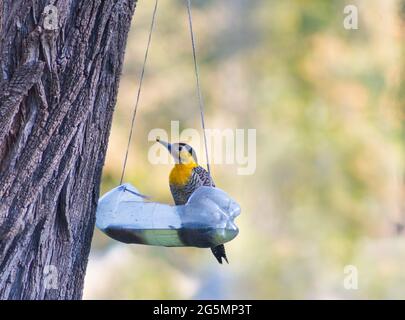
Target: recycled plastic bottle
205, 221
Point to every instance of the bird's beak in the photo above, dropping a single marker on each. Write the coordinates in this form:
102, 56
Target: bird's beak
166, 144
173, 151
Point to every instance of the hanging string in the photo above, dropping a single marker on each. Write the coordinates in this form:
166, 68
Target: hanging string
152, 26
197, 75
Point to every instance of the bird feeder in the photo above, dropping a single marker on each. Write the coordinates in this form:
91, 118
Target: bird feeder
205, 221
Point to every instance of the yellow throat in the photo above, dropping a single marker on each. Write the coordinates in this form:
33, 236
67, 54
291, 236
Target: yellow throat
181, 173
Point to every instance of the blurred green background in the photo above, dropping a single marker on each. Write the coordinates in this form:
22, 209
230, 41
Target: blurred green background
328, 106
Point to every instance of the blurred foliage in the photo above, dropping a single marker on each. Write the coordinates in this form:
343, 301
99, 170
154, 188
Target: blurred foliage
328, 106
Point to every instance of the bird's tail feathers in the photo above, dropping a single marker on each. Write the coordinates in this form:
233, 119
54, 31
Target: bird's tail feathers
219, 253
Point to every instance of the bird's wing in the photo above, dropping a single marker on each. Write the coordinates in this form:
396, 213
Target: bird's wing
204, 176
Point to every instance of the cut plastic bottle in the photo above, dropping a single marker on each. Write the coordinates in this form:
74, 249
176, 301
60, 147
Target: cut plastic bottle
205, 221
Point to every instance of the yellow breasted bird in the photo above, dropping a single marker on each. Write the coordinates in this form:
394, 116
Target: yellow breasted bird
186, 177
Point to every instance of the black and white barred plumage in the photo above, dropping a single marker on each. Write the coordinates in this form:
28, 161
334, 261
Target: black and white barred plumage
199, 177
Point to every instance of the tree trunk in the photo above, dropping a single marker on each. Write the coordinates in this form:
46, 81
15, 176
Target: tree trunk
58, 86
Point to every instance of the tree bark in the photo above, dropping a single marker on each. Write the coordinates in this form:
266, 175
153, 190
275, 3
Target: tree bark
58, 89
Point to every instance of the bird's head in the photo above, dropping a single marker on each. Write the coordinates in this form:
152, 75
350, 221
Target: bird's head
181, 152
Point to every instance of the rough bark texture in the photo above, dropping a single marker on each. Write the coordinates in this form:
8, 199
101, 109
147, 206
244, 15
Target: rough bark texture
58, 89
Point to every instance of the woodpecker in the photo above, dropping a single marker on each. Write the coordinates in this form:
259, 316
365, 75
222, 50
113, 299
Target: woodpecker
186, 177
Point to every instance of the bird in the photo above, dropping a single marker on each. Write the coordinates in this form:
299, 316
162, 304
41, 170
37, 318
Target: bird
186, 177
